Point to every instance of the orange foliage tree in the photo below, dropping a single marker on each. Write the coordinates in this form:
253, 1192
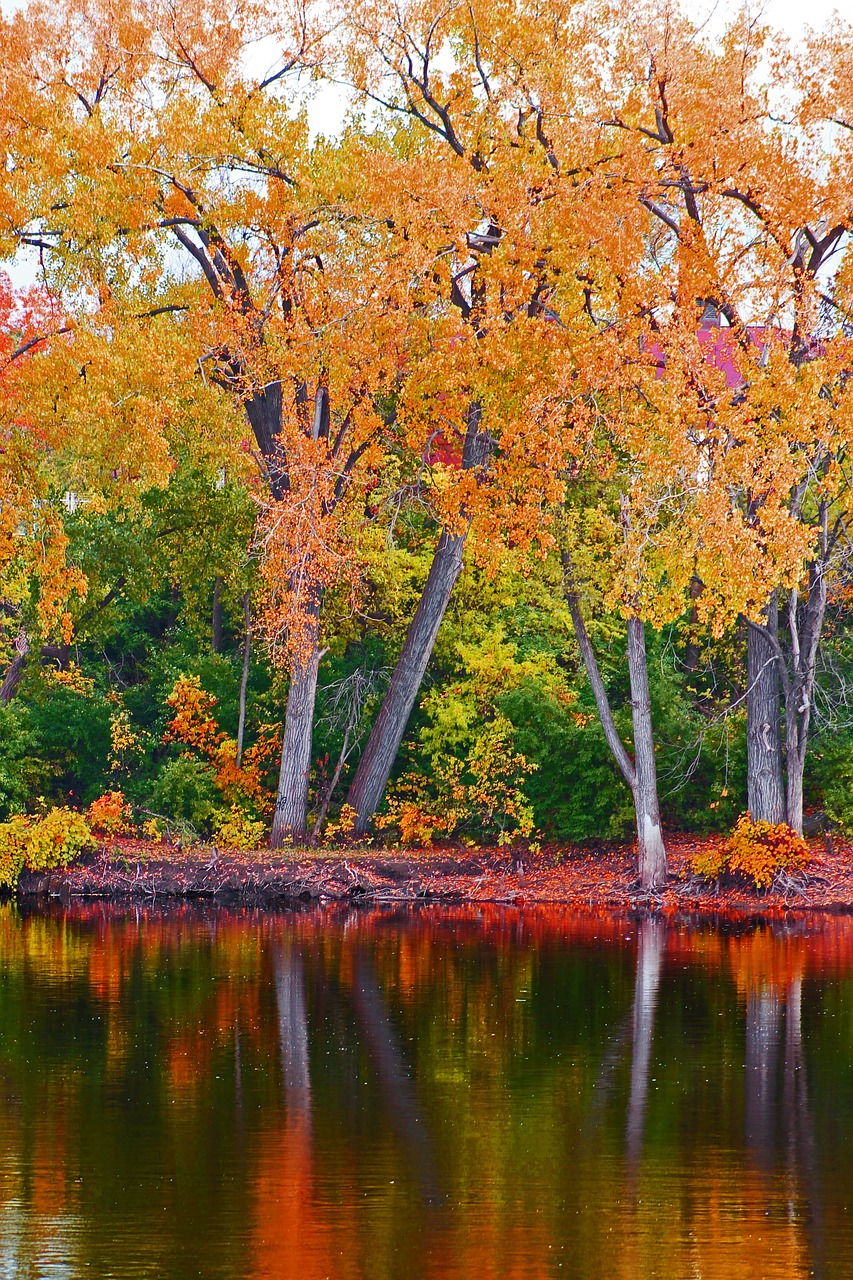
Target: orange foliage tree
194, 205
36, 580
637, 179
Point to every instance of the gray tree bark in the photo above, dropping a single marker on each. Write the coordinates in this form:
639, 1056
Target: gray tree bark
765, 788
377, 759
216, 616
602, 702
650, 846
777, 795
244, 677
799, 683
641, 772
290, 821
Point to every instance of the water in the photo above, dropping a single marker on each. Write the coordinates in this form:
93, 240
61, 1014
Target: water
475, 1093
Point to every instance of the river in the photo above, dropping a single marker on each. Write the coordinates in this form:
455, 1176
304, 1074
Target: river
455, 1092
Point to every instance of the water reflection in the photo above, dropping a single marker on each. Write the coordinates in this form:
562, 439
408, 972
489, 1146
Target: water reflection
394, 1076
464, 1092
650, 946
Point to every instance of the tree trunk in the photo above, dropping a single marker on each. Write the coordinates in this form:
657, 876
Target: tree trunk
799, 689
378, 757
290, 822
691, 653
765, 789
244, 678
650, 846
12, 678
377, 760
216, 619
651, 943
263, 410
640, 774
605, 715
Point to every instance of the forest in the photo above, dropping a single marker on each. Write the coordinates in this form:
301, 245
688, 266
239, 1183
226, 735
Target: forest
466, 460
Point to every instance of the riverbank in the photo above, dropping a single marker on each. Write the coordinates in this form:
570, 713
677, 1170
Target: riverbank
602, 876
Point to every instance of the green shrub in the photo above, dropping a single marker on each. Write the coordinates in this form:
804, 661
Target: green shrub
830, 779
576, 791
22, 771
185, 791
71, 730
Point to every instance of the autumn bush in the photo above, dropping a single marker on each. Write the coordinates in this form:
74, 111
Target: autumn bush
757, 850
41, 843
237, 830
110, 814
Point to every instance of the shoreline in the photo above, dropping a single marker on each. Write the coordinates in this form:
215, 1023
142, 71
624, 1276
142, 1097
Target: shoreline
601, 877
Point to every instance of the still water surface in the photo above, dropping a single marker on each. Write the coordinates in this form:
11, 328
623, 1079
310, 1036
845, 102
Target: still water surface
434, 1093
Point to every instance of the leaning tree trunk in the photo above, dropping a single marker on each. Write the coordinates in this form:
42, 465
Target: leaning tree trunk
650, 846
377, 760
765, 788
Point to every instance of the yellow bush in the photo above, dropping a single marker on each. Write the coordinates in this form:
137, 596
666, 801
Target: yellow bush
41, 844
153, 830
711, 861
755, 849
13, 849
344, 824
238, 831
761, 849
485, 788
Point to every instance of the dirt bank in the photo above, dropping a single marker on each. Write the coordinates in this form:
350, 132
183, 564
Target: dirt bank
601, 876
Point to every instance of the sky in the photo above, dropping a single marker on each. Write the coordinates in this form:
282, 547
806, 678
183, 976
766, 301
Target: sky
792, 16
327, 108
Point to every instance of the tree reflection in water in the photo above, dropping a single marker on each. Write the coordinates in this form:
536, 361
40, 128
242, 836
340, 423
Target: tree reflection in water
650, 947
378, 1034
408, 1095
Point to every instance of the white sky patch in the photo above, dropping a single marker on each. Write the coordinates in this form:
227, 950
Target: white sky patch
327, 104
791, 16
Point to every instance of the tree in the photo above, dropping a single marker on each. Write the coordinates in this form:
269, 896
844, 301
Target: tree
753, 224
455, 120
37, 583
192, 196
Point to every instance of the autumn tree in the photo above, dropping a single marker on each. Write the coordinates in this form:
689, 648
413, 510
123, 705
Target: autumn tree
749, 216
640, 205
37, 582
192, 195
453, 119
